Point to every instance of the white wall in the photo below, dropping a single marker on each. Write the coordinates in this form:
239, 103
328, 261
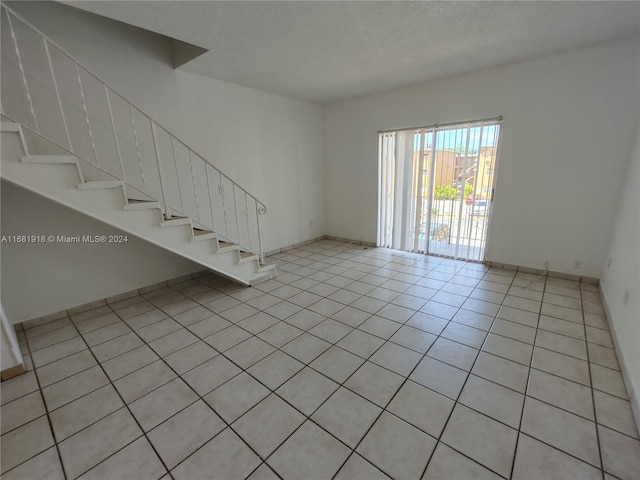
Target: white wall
569, 121
44, 278
270, 145
10, 355
622, 276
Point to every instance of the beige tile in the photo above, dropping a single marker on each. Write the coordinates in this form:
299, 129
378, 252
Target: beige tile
249, 352
397, 448
562, 430
227, 338
58, 351
235, 397
535, 460
464, 334
92, 445
569, 314
226, 455
283, 310
396, 358
596, 320
453, 353
615, 413
80, 384
144, 380
87, 314
347, 416
192, 316
257, 323
111, 349
263, 472
358, 467
190, 357
351, 316
331, 330
101, 335
307, 390
440, 377
563, 327
157, 406
474, 319
129, 362
562, 344
136, 460
64, 368
447, 464
275, 369
564, 366
268, 424
421, 407
51, 338
146, 319
25, 442
480, 306
514, 331
44, 466
84, 411
413, 338
184, 433
158, 329
173, 342
17, 387
133, 310
309, 453
526, 304
427, 323
375, 383
523, 317
620, 453
361, 343
380, 327
208, 326
305, 319
561, 393
211, 374
47, 327
21, 411
337, 364
599, 336
238, 313
493, 400
467, 432
507, 348
608, 380
603, 356
280, 334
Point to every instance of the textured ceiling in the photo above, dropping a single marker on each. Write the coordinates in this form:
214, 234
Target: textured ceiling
329, 51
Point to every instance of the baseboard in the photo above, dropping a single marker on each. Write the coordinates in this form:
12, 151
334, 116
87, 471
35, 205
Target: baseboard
34, 322
632, 390
12, 372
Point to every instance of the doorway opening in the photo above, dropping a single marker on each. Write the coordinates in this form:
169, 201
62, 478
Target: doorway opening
436, 188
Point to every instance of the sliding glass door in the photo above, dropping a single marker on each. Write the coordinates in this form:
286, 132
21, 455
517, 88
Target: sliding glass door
436, 188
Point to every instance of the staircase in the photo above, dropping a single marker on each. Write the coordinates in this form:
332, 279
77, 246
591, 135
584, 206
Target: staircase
85, 146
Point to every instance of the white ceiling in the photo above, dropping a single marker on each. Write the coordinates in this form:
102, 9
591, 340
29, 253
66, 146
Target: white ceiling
326, 51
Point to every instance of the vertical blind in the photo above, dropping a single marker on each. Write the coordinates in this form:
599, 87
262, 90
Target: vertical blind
436, 188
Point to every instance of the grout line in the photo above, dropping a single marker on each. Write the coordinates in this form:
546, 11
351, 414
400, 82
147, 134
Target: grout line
391, 273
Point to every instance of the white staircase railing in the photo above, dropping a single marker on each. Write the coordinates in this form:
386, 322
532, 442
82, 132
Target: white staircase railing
52, 95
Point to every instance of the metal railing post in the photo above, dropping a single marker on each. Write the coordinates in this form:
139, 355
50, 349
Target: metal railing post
55, 86
24, 76
86, 117
195, 189
162, 186
115, 133
135, 138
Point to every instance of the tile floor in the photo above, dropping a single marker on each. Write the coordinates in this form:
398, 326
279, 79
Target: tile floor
353, 363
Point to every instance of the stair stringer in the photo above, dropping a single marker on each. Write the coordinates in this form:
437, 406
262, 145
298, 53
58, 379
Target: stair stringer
59, 183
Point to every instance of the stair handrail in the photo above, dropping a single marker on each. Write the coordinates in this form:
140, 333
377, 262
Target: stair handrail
260, 207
